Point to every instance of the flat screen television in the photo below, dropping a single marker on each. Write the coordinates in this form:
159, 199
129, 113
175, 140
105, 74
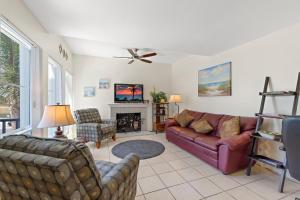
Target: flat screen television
128, 93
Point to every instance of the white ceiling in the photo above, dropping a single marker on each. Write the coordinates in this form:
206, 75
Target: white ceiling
174, 28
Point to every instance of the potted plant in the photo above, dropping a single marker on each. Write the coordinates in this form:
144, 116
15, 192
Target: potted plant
158, 97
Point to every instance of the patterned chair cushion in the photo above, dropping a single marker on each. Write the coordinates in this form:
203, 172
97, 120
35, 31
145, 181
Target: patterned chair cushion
31, 176
89, 115
78, 155
89, 131
108, 130
104, 167
120, 182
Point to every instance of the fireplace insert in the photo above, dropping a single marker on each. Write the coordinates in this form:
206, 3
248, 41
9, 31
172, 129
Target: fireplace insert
128, 122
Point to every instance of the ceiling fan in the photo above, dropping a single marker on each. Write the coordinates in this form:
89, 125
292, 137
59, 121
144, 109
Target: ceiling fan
134, 56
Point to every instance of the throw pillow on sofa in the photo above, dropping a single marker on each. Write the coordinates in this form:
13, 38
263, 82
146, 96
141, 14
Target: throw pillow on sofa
230, 128
184, 118
202, 126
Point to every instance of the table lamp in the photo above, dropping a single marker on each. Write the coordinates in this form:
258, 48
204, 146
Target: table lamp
57, 116
175, 98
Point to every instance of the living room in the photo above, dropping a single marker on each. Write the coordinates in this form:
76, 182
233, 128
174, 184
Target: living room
149, 100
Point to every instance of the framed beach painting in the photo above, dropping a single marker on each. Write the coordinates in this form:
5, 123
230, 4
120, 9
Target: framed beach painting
215, 80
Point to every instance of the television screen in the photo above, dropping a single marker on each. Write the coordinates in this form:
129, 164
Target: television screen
129, 93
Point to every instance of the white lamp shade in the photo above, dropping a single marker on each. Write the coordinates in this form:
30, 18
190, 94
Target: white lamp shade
175, 98
56, 115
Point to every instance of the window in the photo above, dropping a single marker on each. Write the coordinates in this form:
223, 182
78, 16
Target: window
15, 83
55, 89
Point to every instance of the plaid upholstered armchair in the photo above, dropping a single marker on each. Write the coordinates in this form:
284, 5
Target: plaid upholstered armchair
40, 168
90, 126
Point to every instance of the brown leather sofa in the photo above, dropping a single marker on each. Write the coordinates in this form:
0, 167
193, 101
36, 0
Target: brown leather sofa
227, 155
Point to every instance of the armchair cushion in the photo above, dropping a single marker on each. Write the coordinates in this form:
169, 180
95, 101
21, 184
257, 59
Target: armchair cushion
32, 176
89, 115
78, 155
104, 166
237, 141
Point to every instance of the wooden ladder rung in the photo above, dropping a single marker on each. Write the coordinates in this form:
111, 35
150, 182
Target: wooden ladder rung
274, 116
279, 93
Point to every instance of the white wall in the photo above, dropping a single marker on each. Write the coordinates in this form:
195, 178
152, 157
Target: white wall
276, 55
88, 70
20, 16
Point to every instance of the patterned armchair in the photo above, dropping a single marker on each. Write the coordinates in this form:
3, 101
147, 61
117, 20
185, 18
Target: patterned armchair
39, 168
90, 126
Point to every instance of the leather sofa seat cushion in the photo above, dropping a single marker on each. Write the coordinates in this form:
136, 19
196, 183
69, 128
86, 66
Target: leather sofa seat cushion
208, 141
187, 133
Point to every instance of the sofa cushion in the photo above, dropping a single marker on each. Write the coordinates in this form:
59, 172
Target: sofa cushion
230, 128
202, 126
213, 120
187, 133
184, 118
248, 123
207, 141
77, 154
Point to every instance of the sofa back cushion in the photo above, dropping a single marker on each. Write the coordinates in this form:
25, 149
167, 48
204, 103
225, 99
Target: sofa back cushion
32, 176
213, 120
246, 123
230, 128
202, 126
77, 154
89, 115
184, 118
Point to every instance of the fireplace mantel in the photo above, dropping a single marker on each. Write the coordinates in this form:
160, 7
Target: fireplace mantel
128, 105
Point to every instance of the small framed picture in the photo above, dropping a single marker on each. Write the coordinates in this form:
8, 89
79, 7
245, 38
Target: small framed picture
89, 91
104, 84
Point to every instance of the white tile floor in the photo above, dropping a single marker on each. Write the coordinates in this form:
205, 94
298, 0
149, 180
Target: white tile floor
178, 175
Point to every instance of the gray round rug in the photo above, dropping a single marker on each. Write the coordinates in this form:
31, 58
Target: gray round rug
143, 148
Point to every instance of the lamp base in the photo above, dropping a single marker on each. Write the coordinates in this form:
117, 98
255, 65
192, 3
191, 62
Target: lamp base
59, 133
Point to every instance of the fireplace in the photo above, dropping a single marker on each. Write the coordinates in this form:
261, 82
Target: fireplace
128, 122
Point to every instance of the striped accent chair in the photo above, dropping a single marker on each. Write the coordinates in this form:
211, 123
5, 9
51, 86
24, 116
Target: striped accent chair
41, 168
90, 126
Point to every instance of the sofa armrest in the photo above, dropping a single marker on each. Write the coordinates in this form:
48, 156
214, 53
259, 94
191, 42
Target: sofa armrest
121, 181
237, 141
171, 122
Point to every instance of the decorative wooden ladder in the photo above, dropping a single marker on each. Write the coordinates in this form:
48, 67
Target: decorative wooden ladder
255, 137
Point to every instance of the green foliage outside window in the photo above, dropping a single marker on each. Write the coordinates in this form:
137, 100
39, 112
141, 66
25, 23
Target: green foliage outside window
9, 75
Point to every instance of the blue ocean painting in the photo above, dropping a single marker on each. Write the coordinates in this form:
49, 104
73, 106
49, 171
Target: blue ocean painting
215, 81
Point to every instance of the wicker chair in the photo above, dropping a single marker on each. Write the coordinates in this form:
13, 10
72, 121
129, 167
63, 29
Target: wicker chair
40, 168
90, 126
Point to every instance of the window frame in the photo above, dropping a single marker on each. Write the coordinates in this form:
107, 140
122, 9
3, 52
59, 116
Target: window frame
15, 34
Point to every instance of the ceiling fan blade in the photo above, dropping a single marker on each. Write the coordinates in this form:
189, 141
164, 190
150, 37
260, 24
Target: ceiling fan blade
148, 55
131, 52
122, 57
146, 61
130, 62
